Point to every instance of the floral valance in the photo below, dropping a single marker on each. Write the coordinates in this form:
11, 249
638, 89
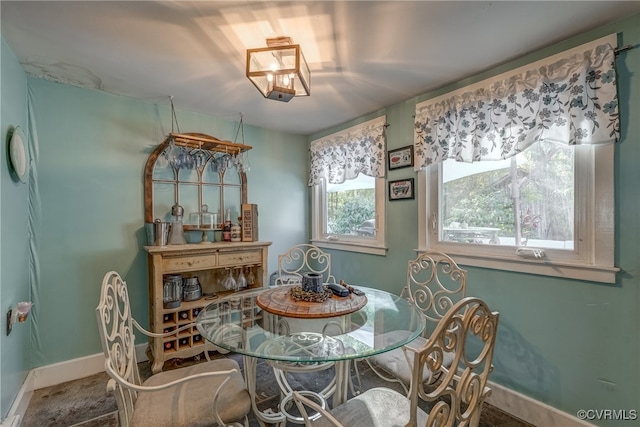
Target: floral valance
569, 98
346, 154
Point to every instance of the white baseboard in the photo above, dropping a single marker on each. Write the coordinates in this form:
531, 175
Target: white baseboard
58, 373
512, 402
531, 410
20, 403
13, 421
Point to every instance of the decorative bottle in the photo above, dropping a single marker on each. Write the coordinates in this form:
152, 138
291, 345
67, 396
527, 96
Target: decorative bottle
226, 231
236, 231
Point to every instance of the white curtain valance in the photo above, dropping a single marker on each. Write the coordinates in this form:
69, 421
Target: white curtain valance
568, 98
344, 155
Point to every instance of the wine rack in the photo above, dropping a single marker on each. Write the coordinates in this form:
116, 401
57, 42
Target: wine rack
209, 262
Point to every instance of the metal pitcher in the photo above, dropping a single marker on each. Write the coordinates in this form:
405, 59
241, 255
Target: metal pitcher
161, 232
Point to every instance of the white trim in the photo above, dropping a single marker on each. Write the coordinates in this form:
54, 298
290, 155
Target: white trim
69, 370
591, 273
593, 259
58, 373
21, 403
531, 410
13, 421
366, 245
350, 247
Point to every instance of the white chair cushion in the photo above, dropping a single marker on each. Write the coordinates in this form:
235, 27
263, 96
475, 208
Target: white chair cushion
191, 403
376, 407
395, 362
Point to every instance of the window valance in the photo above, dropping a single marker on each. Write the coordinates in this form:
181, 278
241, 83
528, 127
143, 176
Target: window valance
344, 155
569, 98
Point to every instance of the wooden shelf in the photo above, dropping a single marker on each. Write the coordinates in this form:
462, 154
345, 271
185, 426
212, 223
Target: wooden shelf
207, 142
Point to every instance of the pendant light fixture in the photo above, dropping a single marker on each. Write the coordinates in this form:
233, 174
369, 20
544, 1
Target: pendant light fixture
279, 71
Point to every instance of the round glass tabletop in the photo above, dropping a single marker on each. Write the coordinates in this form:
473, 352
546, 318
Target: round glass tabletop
236, 323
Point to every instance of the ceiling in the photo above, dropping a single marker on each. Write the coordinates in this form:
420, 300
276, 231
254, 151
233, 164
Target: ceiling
363, 55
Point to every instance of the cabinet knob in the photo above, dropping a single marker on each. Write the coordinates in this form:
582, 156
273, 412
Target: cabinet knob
189, 263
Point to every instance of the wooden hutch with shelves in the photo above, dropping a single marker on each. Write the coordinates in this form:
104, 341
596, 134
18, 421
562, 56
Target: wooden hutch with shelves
165, 184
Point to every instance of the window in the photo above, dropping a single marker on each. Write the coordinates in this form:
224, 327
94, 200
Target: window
534, 190
347, 175
524, 201
350, 216
487, 238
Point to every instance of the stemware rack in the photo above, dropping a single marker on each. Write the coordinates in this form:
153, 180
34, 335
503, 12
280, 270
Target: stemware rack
207, 143
211, 145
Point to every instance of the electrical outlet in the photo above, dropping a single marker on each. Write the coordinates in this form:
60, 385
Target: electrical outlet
9, 319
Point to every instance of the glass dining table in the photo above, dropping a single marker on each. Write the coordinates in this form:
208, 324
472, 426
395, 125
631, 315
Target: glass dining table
243, 323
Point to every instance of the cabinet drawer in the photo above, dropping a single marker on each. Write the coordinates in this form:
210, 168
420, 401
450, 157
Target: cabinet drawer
186, 263
235, 258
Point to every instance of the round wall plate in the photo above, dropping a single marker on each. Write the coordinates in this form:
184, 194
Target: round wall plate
19, 154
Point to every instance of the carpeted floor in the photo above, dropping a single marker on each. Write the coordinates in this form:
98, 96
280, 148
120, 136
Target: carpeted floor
86, 403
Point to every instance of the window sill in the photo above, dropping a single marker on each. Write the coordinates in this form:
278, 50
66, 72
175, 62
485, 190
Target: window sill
350, 246
592, 273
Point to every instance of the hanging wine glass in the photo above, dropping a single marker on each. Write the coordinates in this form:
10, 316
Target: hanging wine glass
172, 153
219, 164
244, 164
214, 164
242, 280
199, 157
231, 163
251, 277
186, 160
229, 283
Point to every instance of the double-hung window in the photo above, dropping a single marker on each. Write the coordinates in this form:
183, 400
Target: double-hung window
347, 176
516, 172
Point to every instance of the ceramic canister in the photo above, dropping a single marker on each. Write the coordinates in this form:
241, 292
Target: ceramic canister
172, 291
312, 282
191, 289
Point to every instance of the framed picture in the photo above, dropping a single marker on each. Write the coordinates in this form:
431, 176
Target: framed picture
400, 157
401, 189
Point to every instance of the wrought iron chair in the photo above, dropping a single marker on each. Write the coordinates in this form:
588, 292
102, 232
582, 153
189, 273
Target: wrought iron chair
301, 259
211, 393
455, 397
292, 265
435, 283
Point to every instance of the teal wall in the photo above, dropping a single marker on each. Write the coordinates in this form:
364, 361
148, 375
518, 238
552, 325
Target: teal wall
569, 343
14, 254
93, 148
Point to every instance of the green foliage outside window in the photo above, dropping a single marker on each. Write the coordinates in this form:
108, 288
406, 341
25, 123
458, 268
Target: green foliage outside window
347, 210
539, 190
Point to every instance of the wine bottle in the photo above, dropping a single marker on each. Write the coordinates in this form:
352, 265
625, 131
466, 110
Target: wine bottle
226, 231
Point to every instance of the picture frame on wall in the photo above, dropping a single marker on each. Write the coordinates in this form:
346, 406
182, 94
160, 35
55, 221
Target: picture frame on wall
401, 189
400, 157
